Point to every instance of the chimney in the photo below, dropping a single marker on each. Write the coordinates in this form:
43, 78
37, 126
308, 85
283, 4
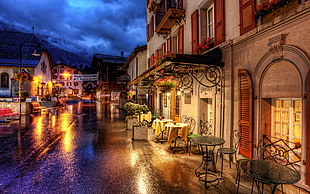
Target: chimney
122, 54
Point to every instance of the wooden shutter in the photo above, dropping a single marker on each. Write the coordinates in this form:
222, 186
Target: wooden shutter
247, 21
148, 32
219, 21
168, 45
307, 128
181, 40
180, 4
245, 111
152, 27
195, 32
163, 48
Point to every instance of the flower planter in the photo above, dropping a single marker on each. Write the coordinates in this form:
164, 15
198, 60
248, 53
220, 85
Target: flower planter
131, 122
279, 11
165, 90
140, 133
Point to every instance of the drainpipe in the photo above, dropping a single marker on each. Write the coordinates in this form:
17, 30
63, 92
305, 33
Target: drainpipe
231, 43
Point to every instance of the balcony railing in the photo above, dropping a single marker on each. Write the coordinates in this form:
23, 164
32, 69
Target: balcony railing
169, 14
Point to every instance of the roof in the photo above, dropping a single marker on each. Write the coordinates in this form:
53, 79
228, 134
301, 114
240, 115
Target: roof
17, 49
133, 54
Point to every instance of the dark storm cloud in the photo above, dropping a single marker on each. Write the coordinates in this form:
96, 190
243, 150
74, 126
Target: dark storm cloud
92, 26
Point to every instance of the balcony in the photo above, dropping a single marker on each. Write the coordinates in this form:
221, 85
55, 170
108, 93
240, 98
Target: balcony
165, 20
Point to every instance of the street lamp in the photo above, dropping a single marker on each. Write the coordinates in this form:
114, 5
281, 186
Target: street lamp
35, 53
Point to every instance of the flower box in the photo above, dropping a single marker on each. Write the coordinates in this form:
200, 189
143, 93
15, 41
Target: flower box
131, 122
140, 132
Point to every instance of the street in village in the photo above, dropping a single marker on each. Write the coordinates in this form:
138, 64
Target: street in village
86, 148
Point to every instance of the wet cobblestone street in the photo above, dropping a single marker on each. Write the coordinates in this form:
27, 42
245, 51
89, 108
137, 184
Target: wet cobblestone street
85, 148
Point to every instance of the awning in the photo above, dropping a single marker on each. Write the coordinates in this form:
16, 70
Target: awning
206, 69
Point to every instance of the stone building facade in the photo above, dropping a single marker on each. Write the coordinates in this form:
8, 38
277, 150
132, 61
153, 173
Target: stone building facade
238, 65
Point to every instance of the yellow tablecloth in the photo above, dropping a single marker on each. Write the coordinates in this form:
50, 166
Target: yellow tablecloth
159, 125
145, 116
177, 130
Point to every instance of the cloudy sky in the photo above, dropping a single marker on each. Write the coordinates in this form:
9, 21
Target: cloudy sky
88, 26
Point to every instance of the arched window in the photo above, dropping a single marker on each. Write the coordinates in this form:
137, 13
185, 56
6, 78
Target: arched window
4, 80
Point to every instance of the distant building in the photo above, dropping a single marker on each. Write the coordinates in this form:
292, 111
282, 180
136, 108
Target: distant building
136, 65
111, 77
22, 52
64, 82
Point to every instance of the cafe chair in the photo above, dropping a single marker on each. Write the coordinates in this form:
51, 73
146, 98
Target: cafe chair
204, 130
229, 151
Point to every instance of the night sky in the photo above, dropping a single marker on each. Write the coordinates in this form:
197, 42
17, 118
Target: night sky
82, 26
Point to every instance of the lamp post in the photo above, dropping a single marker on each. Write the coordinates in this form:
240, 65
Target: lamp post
20, 70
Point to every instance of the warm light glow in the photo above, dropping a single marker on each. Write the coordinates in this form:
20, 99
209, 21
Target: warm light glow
66, 75
168, 93
38, 131
179, 93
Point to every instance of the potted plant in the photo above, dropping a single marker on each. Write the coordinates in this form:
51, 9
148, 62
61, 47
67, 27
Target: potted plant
23, 95
166, 84
206, 44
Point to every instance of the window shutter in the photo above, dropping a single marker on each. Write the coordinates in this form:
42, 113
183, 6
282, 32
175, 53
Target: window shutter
219, 20
247, 21
195, 32
168, 45
245, 111
181, 40
152, 27
180, 4
148, 32
307, 128
163, 48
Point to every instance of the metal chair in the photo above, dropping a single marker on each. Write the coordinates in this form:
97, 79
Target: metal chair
229, 151
204, 130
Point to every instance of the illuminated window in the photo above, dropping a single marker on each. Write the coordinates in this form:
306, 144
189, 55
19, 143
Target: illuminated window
287, 120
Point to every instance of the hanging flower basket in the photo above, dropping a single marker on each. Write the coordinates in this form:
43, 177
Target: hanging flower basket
166, 84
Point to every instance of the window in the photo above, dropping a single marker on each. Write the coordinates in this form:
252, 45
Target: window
4, 80
287, 120
61, 77
76, 91
210, 22
68, 83
76, 83
62, 71
55, 76
69, 71
55, 70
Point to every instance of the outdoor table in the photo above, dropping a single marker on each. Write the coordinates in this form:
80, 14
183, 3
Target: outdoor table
159, 127
269, 172
177, 130
206, 172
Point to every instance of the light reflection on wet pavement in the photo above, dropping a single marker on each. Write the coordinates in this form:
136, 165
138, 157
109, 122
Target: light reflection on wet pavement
85, 148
